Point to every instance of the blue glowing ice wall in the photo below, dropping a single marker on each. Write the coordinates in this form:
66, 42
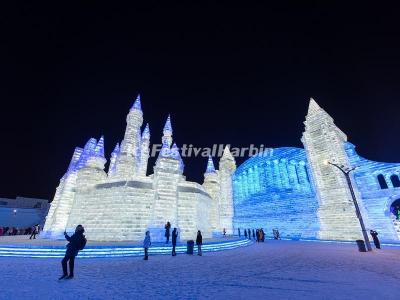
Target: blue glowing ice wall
379, 186
273, 190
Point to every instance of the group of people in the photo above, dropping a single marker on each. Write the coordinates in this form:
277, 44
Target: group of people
256, 234
19, 231
174, 238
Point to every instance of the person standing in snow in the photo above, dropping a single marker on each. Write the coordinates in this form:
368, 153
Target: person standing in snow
245, 233
199, 242
249, 233
258, 235
167, 233
146, 245
374, 235
174, 237
35, 231
224, 232
254, 235
239, 232
76, 243
262, 235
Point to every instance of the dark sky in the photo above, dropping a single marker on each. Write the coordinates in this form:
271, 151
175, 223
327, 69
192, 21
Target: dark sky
226, 74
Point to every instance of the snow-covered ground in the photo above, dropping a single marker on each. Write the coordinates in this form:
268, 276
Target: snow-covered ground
273, 270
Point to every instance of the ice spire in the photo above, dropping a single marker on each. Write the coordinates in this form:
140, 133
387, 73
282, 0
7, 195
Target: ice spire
210, 165
313, 107
146, 133
99, 150
116, 149
137, 104
167, 132
167, 126
114, 154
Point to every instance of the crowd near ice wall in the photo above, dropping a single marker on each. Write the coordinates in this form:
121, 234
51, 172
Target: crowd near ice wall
299, 193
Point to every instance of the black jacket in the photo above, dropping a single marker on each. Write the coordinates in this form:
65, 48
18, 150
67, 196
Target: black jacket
174, 236
199, 239
76, 242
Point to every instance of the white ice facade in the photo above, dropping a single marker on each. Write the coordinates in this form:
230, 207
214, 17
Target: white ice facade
122, 204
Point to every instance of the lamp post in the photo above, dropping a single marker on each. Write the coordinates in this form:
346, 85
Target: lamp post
346, 173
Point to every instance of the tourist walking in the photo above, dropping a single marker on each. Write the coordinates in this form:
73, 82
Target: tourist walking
239, 232
254, 235
262, 235
199, 242
249, 233
146, 245
258, 235
374, 235
245, 233
35, 231
167, 231
174, 237
76, 243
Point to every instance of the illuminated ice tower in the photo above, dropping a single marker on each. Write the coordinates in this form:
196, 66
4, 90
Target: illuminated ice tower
324, 142
167, 174
128, 160
144, 151
212, 186
227, 167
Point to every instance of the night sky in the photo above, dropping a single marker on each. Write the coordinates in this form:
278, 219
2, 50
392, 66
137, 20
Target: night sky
236, 75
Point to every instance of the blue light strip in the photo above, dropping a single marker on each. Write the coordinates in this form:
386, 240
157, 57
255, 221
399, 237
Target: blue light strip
110, 251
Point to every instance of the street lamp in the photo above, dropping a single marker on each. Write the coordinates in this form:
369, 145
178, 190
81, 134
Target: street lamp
346, 172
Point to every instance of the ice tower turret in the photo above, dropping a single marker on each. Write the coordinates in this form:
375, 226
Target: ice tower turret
114, 155
167, 132
324, 142
128, 160
227, 167
167, 174
144, 151
212, 186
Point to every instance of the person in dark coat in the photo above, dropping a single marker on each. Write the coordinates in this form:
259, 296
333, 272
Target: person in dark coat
249, 233
35, 231
76, 243
167, 231
239, 232
174, 237
258, 235
374, 235
245, 233
262, 234
254, 234
199, 242
146, 245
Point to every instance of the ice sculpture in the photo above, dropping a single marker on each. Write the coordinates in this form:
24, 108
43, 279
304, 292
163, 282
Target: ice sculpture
123, 203
294, 190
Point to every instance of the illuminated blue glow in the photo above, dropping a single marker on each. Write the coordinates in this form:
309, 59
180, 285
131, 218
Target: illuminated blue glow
146, 132
168, 126
99, 150
210, 165
137, 104
272, 190
114, 251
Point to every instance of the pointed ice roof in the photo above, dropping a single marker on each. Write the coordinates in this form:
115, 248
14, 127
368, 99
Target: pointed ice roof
227, 154
146, 132
210, 165
168, 126
313, 107
137, 104
90, 146
116, 149
99, 150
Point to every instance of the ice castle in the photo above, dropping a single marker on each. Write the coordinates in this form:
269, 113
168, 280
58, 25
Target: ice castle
297, 192
125, 202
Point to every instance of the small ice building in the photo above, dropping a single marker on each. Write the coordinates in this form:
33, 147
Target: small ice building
123, 203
